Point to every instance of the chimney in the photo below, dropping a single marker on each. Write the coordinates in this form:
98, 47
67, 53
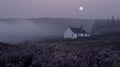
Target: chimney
81, 26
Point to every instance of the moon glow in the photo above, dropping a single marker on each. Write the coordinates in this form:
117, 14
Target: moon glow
81, 8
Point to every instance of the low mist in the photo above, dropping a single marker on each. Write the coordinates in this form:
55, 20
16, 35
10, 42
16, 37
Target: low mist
17, 31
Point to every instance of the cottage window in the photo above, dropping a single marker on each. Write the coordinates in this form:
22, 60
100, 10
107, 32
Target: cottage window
86, 35
82, 35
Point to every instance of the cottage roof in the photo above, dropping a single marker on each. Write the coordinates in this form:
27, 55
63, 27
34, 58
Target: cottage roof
78, 30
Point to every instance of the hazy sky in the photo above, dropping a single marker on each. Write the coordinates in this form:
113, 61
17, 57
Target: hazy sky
59, 8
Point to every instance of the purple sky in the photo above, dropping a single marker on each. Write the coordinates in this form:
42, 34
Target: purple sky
59, 8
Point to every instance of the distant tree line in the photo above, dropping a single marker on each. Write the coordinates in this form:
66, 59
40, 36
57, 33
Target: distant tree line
106, 24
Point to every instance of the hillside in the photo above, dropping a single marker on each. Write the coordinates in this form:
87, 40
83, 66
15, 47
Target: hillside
64, 22
106, 26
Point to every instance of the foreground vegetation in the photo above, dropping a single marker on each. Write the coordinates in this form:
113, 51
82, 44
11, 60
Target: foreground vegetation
61, 54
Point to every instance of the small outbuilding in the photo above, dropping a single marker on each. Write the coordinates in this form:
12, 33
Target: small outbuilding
74, 33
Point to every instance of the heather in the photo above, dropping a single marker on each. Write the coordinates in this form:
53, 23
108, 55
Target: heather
60, 54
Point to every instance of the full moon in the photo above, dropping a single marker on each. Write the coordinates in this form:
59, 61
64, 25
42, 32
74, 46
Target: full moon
80, 8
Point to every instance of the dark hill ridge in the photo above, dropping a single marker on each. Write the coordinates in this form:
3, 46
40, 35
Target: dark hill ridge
75, 22
64, 22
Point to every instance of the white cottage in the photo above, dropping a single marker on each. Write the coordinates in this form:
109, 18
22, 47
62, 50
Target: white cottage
74, 33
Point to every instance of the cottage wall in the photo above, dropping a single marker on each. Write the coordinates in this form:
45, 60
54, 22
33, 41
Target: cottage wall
69, 34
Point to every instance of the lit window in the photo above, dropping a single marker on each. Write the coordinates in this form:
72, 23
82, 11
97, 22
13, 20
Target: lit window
81, 35
86, 35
